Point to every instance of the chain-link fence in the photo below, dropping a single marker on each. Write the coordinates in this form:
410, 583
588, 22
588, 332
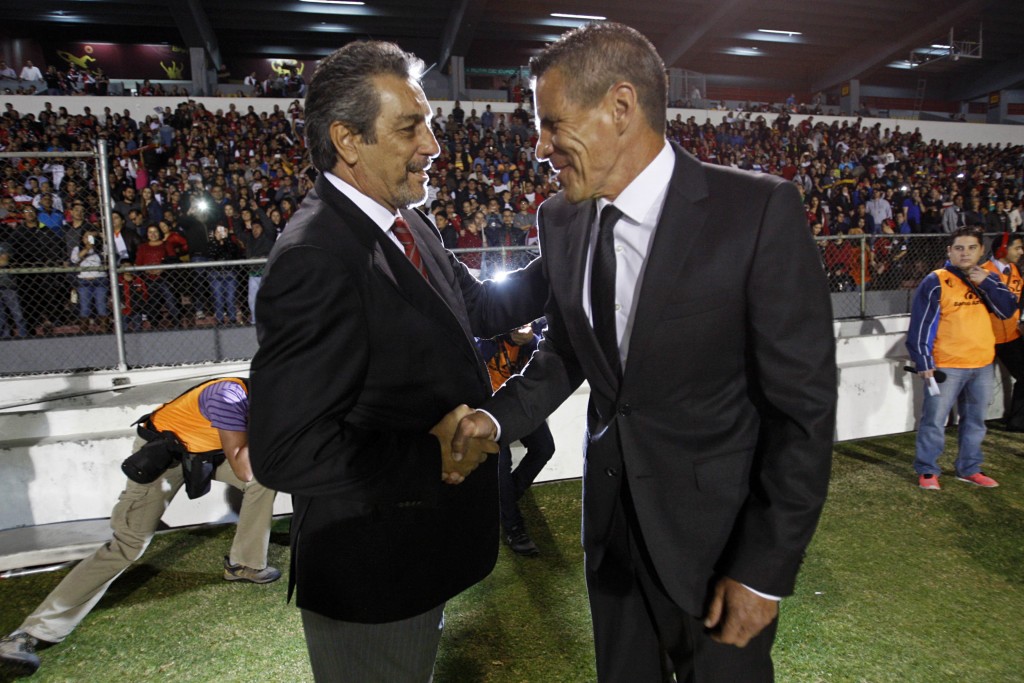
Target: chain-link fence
65, 308
876, 275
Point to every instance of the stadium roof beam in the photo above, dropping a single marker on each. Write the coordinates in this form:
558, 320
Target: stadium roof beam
458, 34
684, 37
195, 28
929, 28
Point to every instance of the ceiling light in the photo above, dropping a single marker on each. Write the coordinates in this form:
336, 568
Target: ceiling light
784, 33
585, 17
742, 52
336, 2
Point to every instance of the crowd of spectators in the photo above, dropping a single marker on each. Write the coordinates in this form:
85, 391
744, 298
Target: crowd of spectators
71, 81
180, 174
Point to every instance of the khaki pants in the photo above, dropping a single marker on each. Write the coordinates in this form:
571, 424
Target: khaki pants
134, 520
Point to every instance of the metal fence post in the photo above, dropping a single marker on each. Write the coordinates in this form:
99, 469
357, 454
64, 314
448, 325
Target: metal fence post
103, 171
863, 276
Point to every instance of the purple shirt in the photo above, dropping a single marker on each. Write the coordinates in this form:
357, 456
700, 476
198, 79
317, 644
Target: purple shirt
226, 405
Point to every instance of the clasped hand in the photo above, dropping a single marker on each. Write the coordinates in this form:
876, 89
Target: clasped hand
736, 614
455, 467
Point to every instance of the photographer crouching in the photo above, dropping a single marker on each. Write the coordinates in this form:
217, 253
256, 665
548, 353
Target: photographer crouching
199, 436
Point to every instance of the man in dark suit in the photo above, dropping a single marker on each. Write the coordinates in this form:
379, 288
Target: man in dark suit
366, 326
691, 299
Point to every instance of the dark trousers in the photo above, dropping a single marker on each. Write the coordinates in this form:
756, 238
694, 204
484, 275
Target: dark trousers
540, 446
1011, 355
641, 635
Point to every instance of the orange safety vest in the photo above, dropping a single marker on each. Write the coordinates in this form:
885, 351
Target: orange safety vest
1006, 330
503, 364
964, 338
182, 417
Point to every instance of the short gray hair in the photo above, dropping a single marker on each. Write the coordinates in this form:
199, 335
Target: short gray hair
596, 56
342, 89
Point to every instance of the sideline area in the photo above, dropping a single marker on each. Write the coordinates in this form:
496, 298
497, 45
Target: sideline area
899, 585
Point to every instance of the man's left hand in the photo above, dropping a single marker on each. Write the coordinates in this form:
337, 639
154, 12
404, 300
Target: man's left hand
737, 614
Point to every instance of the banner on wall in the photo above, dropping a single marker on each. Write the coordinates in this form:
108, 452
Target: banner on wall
157, 62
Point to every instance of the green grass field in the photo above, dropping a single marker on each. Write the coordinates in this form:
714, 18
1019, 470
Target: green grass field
899, 585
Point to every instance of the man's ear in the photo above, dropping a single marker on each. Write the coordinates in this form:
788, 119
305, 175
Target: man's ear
346, 142
624, 102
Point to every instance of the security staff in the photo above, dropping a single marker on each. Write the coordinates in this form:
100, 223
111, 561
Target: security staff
950, 332
1006, 251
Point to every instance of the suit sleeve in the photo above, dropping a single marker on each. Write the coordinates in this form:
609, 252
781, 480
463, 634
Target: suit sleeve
792, 348
306, 378
497, 307
552, 374
494, 307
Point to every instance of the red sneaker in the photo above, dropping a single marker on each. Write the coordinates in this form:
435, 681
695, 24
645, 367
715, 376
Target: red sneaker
979, 479
929, 482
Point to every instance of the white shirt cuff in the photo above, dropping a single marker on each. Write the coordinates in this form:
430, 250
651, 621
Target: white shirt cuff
497, 426
755, 592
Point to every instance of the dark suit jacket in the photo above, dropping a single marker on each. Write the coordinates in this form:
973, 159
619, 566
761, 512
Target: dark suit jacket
723, 419
131, 242
358, 358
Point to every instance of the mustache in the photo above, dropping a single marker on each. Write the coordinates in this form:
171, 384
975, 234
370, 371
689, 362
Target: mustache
413, 167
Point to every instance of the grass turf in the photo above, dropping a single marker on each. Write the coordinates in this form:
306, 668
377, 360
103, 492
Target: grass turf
899, 585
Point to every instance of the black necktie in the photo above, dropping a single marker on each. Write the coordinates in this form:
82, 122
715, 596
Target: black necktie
602, 288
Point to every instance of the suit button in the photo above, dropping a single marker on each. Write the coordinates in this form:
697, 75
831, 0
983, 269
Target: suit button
625, 409
611, 471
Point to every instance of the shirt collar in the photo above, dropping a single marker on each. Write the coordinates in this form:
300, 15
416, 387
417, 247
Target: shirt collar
647, 189
383, 218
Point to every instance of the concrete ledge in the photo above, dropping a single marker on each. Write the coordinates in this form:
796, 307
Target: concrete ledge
46, 544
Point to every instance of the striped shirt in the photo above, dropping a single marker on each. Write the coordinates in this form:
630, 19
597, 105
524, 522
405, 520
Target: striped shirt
226, 406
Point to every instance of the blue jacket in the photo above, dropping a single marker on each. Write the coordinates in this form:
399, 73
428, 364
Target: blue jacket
925, 313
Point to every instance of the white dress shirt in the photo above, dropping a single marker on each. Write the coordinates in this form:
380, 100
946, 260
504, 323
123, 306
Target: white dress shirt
373, 210
641, 204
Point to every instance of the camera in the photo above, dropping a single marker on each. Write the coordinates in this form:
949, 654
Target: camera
145, 465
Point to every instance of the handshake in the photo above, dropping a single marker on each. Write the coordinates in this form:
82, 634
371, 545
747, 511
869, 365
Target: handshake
466, 437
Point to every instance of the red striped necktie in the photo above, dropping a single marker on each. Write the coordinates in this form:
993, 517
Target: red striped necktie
404, 235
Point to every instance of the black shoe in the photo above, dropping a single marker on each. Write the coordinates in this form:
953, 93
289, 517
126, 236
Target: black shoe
520, 543
18, 653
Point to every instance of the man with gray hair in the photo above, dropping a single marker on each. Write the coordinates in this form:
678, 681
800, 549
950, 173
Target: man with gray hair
366, 332
712, 393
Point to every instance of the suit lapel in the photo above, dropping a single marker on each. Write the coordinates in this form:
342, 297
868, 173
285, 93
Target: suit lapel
389, 260
443, 293
358, 223
683, 219
573, 240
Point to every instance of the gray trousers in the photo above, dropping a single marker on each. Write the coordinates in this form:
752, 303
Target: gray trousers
134, 520
395, 652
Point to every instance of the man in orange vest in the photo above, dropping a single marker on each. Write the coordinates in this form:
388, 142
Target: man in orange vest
210, 418
950, 337
1006, 251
